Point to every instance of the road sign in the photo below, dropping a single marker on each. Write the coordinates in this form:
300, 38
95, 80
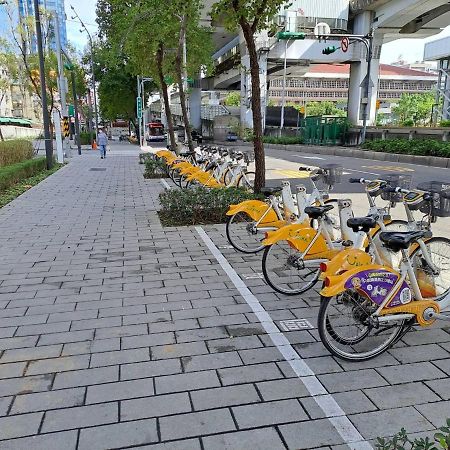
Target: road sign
290, 35
367, 79
71, 110
344, 44
66, 127
139, 107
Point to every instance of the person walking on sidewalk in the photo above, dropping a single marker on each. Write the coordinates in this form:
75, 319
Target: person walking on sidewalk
102, 142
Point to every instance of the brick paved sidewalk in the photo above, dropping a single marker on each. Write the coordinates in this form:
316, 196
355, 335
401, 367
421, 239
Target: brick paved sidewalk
115, 332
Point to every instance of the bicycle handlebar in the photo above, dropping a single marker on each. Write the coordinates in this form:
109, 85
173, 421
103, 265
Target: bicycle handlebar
356, 180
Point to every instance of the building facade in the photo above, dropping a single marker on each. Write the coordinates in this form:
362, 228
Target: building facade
56, 8
327, 82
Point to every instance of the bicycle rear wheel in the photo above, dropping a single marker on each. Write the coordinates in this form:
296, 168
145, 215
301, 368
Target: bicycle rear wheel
347, 330
242, 233
285, 272
439, 252
247, 180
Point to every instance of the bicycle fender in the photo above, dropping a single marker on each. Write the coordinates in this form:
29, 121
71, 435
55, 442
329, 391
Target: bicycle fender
373, 281
345, 260
299, 237
255, 209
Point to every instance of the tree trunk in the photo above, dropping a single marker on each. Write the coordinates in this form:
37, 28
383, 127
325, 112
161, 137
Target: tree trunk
180, 69
258, 144
165, 94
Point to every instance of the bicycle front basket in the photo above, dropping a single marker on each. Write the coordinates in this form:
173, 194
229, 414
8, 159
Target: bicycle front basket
332, 174
440, 204
396, 180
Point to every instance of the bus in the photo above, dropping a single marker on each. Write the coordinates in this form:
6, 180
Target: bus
155, 132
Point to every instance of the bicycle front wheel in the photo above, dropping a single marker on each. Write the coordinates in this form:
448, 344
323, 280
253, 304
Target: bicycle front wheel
432, 284
243, 234
347, 330
285, 272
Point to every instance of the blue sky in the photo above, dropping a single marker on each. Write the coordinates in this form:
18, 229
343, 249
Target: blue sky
86, 11
411, 50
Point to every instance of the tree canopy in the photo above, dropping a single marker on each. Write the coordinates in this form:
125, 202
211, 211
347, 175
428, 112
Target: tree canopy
414, 109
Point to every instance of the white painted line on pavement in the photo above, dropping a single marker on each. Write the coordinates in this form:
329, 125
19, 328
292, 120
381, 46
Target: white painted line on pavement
324, 400
165, 183
362, 171
308, 157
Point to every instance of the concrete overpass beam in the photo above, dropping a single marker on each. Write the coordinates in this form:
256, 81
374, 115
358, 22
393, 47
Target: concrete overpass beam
358, 72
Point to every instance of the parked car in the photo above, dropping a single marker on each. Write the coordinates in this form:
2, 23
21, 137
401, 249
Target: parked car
232, 136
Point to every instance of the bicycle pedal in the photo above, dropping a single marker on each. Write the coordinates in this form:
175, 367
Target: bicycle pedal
347, 243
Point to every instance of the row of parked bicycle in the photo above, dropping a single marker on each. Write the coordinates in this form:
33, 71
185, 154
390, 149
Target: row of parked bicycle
380, 276
210, 166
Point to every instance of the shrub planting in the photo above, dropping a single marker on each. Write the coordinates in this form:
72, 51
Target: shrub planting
423, 147
10, 175
283, 140
199, 205
15, 151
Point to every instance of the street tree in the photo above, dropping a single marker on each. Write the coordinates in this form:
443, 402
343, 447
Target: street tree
251, 17
414, 109
151, 36
323, 109
233, 99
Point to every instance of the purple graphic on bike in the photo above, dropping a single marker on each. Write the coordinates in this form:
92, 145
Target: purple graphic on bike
377, 284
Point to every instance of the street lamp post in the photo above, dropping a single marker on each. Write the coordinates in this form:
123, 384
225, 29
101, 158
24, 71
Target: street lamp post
46, 118
92, 66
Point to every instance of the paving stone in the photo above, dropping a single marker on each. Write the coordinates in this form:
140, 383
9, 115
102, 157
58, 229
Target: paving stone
127, 330
66, 440
79, 417
183, 324
118, 435
310, 434
224, 396
350, 402
260, 439
249, 374
150, 369
119, 391
410, 372
119, 357
62, 364
163, 316
86, 377
42, 401
419, 353
5, 402
440, 387
201, 334
25, 385
64, 338
270, 413
18, 342
240, 343
408, 394
194, 313
426, 336
261, 355
389, 422
351, 380
211, 361
186, 382
196, 424
31, 353
157, 406
435, 413
191, 444
222, 320
280, 389
149, 340
443, 364
19, 426
178, 350
12, 370
56, 327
